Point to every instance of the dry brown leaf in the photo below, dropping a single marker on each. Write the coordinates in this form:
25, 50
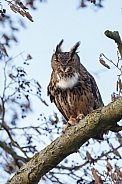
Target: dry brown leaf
21, 12
21, 5
104, 63
120, 84
38, 84
14, 9
89, 156
117, 85
27, 14
4, 50
27, 84
116, 153
119, 136
107, 173
118, 172
11, 76
113, 176
6, 37
96, 177
109, 166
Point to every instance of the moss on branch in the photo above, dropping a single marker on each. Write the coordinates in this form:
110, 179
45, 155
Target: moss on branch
97, 122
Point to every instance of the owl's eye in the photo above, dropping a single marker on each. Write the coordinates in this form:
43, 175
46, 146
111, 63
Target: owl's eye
71, 60
57, 62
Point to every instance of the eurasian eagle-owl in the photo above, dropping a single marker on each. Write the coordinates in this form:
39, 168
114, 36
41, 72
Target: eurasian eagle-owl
72, 88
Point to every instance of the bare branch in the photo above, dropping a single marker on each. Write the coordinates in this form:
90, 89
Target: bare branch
98, 122
116, 37
10, 151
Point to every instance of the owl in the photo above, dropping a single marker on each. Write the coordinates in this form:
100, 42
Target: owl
72, 88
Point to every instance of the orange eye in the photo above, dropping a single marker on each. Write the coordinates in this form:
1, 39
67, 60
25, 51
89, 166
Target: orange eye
57, 62
71, 60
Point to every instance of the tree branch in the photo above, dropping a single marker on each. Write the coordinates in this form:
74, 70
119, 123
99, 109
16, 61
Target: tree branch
77, 167
116, 37
10, 151
94, 124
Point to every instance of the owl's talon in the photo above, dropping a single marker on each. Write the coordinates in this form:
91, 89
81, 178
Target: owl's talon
79, 117
64, 129
72, 121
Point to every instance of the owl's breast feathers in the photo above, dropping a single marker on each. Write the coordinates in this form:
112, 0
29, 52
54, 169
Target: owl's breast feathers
67, 82
75, 94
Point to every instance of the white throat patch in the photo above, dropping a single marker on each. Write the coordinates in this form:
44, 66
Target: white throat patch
68, 82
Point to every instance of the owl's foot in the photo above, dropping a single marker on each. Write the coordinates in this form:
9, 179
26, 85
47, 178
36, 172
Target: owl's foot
71, 121
79, 117
64, 129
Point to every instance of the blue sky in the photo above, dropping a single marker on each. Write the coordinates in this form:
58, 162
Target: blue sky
56, 20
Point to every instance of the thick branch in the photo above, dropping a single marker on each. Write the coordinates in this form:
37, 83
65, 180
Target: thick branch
116, 37
97, 122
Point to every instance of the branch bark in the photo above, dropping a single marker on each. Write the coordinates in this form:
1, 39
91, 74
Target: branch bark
95, 123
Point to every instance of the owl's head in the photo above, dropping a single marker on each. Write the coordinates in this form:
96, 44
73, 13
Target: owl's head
66, 63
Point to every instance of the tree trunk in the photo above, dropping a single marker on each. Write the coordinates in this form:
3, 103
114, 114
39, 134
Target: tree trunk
94, 124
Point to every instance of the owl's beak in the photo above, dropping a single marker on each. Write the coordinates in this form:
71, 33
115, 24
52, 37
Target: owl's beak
63, 68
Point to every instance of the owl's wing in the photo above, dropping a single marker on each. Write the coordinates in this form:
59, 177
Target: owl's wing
96, 93
88, 83
51, 88
54, 94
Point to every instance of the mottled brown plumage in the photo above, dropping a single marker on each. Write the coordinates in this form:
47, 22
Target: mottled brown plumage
72, 88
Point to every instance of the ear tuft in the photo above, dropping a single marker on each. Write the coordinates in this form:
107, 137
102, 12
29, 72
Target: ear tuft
74, 48
58, 47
